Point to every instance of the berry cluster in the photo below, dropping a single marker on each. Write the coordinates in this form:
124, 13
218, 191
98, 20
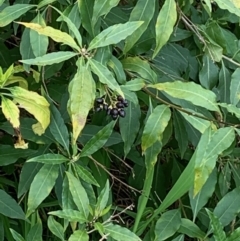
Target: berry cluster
116, 110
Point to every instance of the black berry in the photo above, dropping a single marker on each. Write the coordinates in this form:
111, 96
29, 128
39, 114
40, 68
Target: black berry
109, 111
114, 117
120, 98
99, 100
98, 109
121, 113
114, 111
125, 103
105, 107
119, 105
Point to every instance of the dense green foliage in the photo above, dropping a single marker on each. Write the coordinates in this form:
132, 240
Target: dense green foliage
119, 120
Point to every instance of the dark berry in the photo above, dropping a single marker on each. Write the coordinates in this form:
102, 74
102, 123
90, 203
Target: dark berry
120, 98
114, 117
98, 109
105, 107
119, 105
114, 111
99, 100
109, 111
125, 103
121, 113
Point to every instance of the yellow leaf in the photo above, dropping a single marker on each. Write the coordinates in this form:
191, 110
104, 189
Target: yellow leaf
21, 145
55, 34
236, 3
34, 104
11, 112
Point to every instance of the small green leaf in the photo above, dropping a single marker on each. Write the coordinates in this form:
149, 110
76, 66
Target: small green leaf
16, 235
135, 84
9, 207
10, 13
70, 215
167, 225
114, 34
35, 232
166, 20
235, 235
231, 109
235, 87
228, 5
189, 91
41, 186
55, 227
49, 59
79, 195
155, 125
105, 76
49, 159
79, 235
98, 141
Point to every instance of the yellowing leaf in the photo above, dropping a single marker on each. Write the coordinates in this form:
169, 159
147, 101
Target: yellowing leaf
82, 94
55, 34
21, 144
236, 3
11, 112
34, 104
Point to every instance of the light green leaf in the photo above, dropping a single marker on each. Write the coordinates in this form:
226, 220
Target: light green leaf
191, 229
67, 199
114, 34
189, 91
217, 227
55, 227
44, 3
16, 235
155, 125
167, 225
228, 207
39, 43
119, 233
49, 158
224, 84
82, 94
143, 11
117, 68
105, 76
79, 195
135, 84
166, 20
79, 235
129, 126
10, 13
85, 175
102, 8
231, 109
9, 207
49, 59
35, 232
235, 235
41, 186
98, 140
235, 87
228, 5
70, 215
57, 35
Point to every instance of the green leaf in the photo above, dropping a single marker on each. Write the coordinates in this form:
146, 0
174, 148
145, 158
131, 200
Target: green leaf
117, 68
206, 161
198, 202
235, 235
155, 125
235, 87
85, 175
49, 158
70, 215
51, 58
57, 35
41, 186
35, 232
39, 43
10, 13
129, 126
135, 84
167, 225
228, 207
9, 154
105, 76
141, 68
98, 140
67, 199
143, 11
217, 227
16, 235
55, 227
71, 26
119, 233
82, 96
191, 229
166, 20
102, 8
114, 34
189, 91
228, 5
9, 207
208, 75
79, 195
180, 132
86, 12
57, 127
79, 235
